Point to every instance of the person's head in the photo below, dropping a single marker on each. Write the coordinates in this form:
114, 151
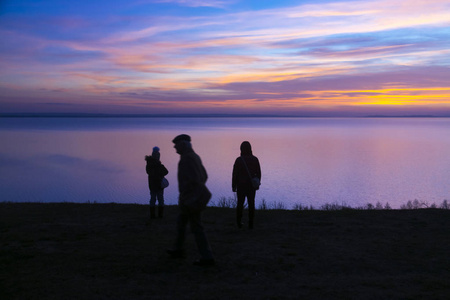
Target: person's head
246, 148
155, 153
182, 142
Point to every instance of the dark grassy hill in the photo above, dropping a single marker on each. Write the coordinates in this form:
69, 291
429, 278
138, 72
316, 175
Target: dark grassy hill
107, 251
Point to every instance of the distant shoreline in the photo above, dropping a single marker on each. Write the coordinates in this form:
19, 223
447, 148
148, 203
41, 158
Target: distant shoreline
87, 115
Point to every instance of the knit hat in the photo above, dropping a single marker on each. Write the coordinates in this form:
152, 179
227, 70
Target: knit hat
181, 137
155, 153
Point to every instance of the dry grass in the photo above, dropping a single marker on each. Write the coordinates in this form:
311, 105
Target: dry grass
107, 251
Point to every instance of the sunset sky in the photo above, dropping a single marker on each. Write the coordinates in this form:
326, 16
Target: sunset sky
308, 58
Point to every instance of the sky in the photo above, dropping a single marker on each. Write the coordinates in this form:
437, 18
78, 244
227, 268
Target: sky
284, 57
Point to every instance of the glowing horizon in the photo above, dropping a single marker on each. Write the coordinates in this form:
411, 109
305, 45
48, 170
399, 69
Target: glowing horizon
225, 56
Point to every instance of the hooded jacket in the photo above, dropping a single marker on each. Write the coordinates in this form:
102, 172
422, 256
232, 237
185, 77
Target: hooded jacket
241, 180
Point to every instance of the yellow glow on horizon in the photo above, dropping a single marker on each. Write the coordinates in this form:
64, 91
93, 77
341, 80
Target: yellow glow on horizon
404, 89
383, 97
386, 97
396, 100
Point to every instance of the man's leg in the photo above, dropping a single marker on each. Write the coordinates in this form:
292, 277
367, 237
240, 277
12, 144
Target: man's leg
200, 237
182, 221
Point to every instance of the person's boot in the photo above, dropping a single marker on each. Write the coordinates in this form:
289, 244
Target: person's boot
160, 211
152, 212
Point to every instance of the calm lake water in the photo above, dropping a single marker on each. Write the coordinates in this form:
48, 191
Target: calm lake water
307, 161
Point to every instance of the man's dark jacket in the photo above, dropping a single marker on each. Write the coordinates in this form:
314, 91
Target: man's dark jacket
191, 174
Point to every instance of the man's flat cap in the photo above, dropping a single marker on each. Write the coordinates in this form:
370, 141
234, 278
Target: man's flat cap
181, 137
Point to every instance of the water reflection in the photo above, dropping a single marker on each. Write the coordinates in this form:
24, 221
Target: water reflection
307, 161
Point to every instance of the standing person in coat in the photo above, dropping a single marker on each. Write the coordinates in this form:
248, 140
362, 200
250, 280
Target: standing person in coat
245, 168
156, 171
191, 174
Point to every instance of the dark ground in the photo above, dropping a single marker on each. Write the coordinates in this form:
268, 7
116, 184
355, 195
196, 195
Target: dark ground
107, 251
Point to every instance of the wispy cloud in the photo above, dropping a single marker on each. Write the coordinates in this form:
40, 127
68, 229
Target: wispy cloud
235, 56
198, 3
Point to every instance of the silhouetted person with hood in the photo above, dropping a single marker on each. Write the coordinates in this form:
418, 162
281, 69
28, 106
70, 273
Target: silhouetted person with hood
245, 168
156, 171
191, 175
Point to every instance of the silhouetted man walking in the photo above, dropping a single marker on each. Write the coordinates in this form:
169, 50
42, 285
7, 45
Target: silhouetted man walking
191, 175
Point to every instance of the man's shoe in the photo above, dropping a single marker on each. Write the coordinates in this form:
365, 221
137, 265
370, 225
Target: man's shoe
204, 262
175, 253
